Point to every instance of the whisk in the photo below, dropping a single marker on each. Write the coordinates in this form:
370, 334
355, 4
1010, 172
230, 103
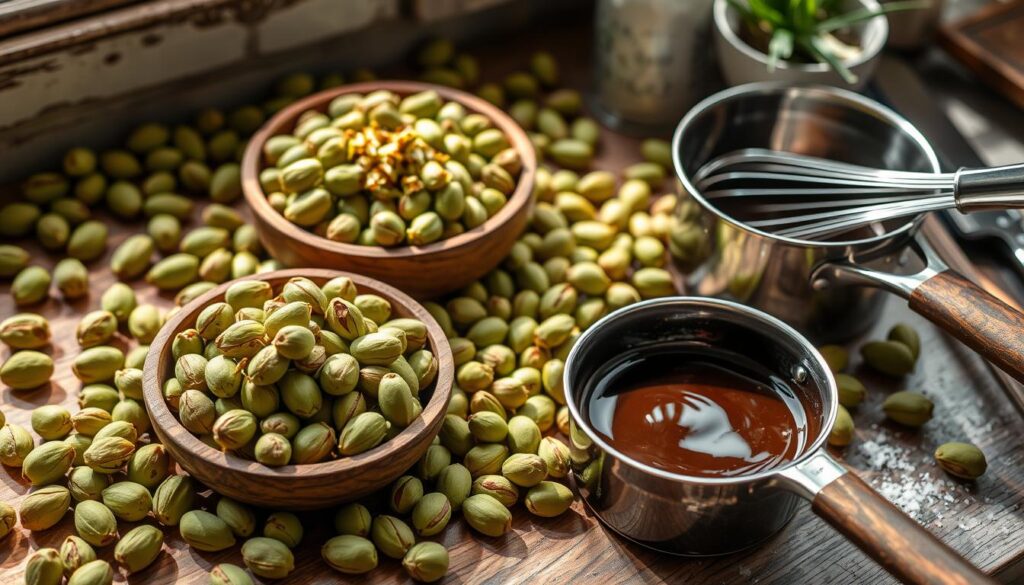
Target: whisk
811, 198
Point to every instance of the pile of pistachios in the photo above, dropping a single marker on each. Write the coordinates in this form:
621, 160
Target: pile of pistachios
596, 242
347, 375
896, 356
381, 169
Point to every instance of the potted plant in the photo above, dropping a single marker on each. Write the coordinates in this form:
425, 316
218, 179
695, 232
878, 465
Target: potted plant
836, 42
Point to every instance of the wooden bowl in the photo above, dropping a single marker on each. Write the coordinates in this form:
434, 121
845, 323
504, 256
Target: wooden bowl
422, 271
309, 486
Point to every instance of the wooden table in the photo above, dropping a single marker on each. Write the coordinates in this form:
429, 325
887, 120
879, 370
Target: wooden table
982, 520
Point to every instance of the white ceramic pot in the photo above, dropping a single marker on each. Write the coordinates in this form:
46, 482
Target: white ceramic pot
740, 63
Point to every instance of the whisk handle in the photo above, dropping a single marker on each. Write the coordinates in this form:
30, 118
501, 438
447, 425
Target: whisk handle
987, 189
982, 322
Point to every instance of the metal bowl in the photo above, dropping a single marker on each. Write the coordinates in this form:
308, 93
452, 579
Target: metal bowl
770, 272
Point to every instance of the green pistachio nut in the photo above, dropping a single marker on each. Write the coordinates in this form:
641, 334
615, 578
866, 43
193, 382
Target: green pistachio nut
548, 499
172, 499
889, 357
350, 554
205, 531
498, 487
908, 408
487, 515
139, 547
962, 460
842, 432
95, 523
44, 567
98, 572
392, 536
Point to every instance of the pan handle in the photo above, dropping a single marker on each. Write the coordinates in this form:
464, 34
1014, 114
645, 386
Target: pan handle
899, 544
982, 322
961, 308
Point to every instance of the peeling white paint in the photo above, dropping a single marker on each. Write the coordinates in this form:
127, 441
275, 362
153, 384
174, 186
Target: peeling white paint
317, 20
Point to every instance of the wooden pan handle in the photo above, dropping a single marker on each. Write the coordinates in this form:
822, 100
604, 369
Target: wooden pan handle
888, 536
982, 322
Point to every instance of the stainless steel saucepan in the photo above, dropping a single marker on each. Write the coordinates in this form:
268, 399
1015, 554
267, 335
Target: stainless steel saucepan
829, 290
691, 515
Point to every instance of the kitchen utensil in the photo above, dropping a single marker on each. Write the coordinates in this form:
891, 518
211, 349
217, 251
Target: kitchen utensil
649, 61
693, 515
807, 283
812, 198
421, 271
310, 486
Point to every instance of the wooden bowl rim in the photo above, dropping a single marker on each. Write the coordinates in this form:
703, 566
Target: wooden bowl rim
159, 356
285, 119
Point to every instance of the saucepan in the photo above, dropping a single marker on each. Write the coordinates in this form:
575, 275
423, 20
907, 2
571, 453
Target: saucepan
829, 290
696, 515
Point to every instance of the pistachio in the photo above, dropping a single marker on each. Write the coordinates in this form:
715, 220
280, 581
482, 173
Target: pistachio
498, 487
51, 421
8, 518
31, 285
485, 459
48, 463
172, 499
108, 454
842, 431
98, 572
548, 499
86, 484
234, 429
12, 260
908, 336
44, 507
353, 519
405, 493
284, 527
350, 554
426, 562
205, 531
88, 241
119, 300
962, 460
75, 552
488, 427
376, 349
889, 357
97, 364
486, 515
908, 408
523, 435
556, 455
851, 390
524, 469
228, 574
391, 536
139, 547
95, 523
239, 517
149, 465
362, 433
44, 567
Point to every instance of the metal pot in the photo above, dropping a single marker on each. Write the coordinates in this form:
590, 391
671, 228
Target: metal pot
810, 284
699, 516
741, 63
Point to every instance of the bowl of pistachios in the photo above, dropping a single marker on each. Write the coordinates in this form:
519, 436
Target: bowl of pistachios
299, 388
420, 186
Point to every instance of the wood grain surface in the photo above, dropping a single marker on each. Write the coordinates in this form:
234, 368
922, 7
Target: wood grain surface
302, 487
889, 537
421, 271
983, 322
982, 520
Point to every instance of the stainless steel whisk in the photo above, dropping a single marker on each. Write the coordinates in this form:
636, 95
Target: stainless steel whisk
813, 198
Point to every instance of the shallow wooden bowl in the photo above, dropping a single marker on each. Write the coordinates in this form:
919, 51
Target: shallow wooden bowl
308, 486
422, 271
